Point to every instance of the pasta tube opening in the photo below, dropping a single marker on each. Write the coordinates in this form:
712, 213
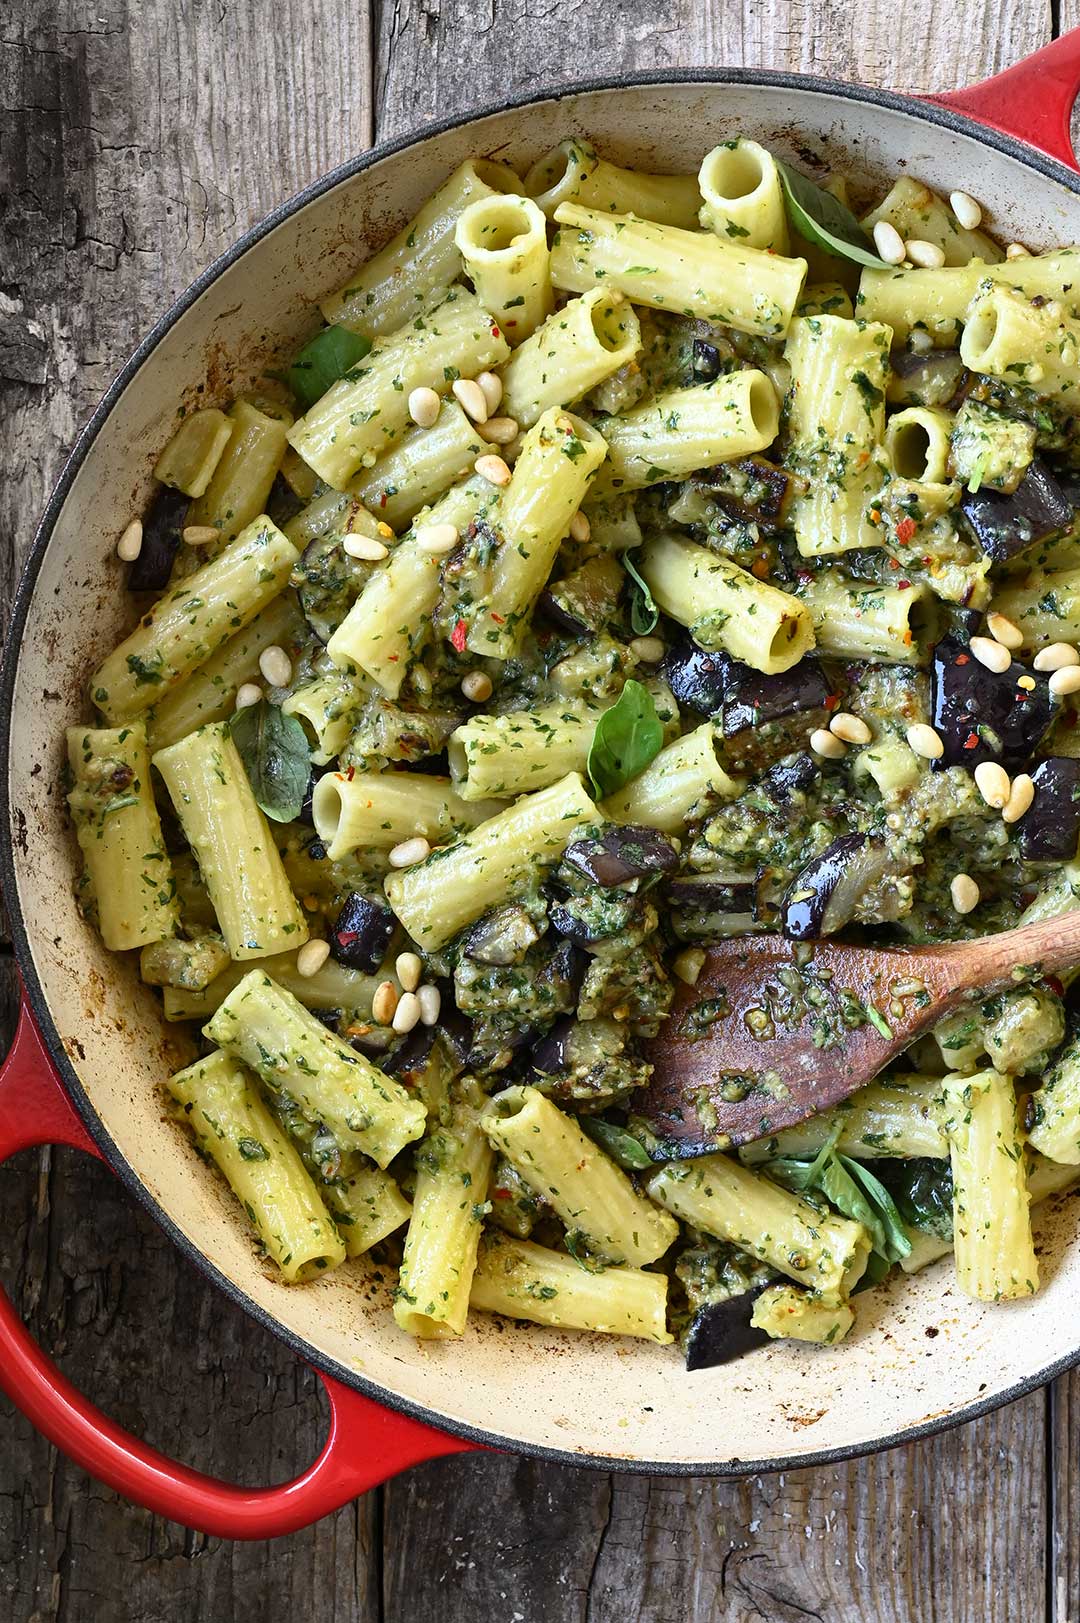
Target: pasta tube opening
917, 444
495, 228
731, 173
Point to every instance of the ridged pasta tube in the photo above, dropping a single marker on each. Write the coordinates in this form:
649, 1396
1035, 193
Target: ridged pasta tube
1046, 607
683, 781
513, 754
265, 1027
937, 300
724, 606
572, 172
119, 833
191, 456
742, 199
527, 1281
861, 620
995, 1254
376, 810
231, 840
367, 411
893, 1118
328, 708
1034, 346
588, 340
420, 467
460, 882
917, 444
334, 986
397, 283
1056, 1107
675, 433
689, 273
240, 487
593, 1198
503, 245
920, 214
231, 1123
191, 622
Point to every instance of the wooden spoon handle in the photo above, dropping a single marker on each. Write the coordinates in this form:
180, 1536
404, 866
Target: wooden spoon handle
1025, 954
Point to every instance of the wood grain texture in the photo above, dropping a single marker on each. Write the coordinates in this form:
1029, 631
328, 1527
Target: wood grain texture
139, 139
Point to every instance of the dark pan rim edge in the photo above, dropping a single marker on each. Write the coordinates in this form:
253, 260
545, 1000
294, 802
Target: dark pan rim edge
909, 105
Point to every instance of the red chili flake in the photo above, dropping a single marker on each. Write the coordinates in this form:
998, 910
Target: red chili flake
350, 773
971, 741
831, 701
903, 586
498, 618
894, 563
1055, 985
501, 1194
1021, 697
495, 333
905, 530
457, 636
382, 499
963, 659
345, 938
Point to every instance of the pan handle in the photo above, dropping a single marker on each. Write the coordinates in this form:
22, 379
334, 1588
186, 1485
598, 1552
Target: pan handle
1032, 100
366, 1443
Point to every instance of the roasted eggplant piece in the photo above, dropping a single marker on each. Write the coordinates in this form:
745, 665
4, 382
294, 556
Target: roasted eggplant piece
705, 361
712, 906
361, 933
328, 581
1050, 831
412, 1054
584, 601
721, 1331
621, 853
596, 916
751, 490
793, 775
1004, 525
824, 896
769, 716
983, 715
930, 378
162, 533
696, 678
503, 937
587, 1061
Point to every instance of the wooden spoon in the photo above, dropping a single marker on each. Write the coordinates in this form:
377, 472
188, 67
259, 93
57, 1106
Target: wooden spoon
775, 1030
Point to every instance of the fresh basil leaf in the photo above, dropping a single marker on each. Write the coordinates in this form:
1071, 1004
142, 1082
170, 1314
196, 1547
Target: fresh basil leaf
922, 1189
276, 757
823, 220
327, 357
643, 610
853, 1190
622, 1146
626, 739
897, 1243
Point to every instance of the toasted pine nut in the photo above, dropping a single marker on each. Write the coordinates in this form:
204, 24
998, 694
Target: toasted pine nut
852, 729
651, 650
1067, 680
409, 968
276, 666
992, 782
1004, 630
407, 1013
410, 852
430, 1000
471, 399
994, 655
385, 531
476, 686
384, 1003
247, 694
1027, 683
501, 430
130, 543
1056, 657
689, 964
1020, 798
424, 407
492, 386
311, 957
366, 548
925, 741
889, 243
822, 742
926, 254
437, 538
493, 469
201, 535
580, 528
964, 892
1016, 250
967, 211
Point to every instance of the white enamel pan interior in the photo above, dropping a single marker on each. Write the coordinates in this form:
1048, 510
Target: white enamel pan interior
921, 1354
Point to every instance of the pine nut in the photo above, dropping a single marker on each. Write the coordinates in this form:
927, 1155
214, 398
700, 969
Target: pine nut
650, 650
888, 242
409, 968
311, 957
967, 211
493, 469
430, 1000
964, 892
822, 742
580, 528
1004, 630
385, 531
689, 964
130, 543
366, 548
852, 729
992, 782
1065, 681
501, 430
384, 1003
471, 399
407, 1013
926, 254
410, 852
276, 666
247, 694
1020, 798
476, 686
920, 342
1027, 683
994, 655
925, 742
201, 535
1016, 250
1056, 657
424, 407
437, 538
493, 389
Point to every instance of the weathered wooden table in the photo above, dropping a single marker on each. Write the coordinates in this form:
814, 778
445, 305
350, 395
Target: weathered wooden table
139, 137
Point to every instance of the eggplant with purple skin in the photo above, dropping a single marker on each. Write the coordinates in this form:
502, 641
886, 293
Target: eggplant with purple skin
361, 933
751, 490
696, 678
587, 1062
824, 896
983, 715
721, 1331
1050, 831
792, 775
1005, 525
163, 528
585, 600
712, 906
765, 717
705, 361
622, 852
503, 937
929, 378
